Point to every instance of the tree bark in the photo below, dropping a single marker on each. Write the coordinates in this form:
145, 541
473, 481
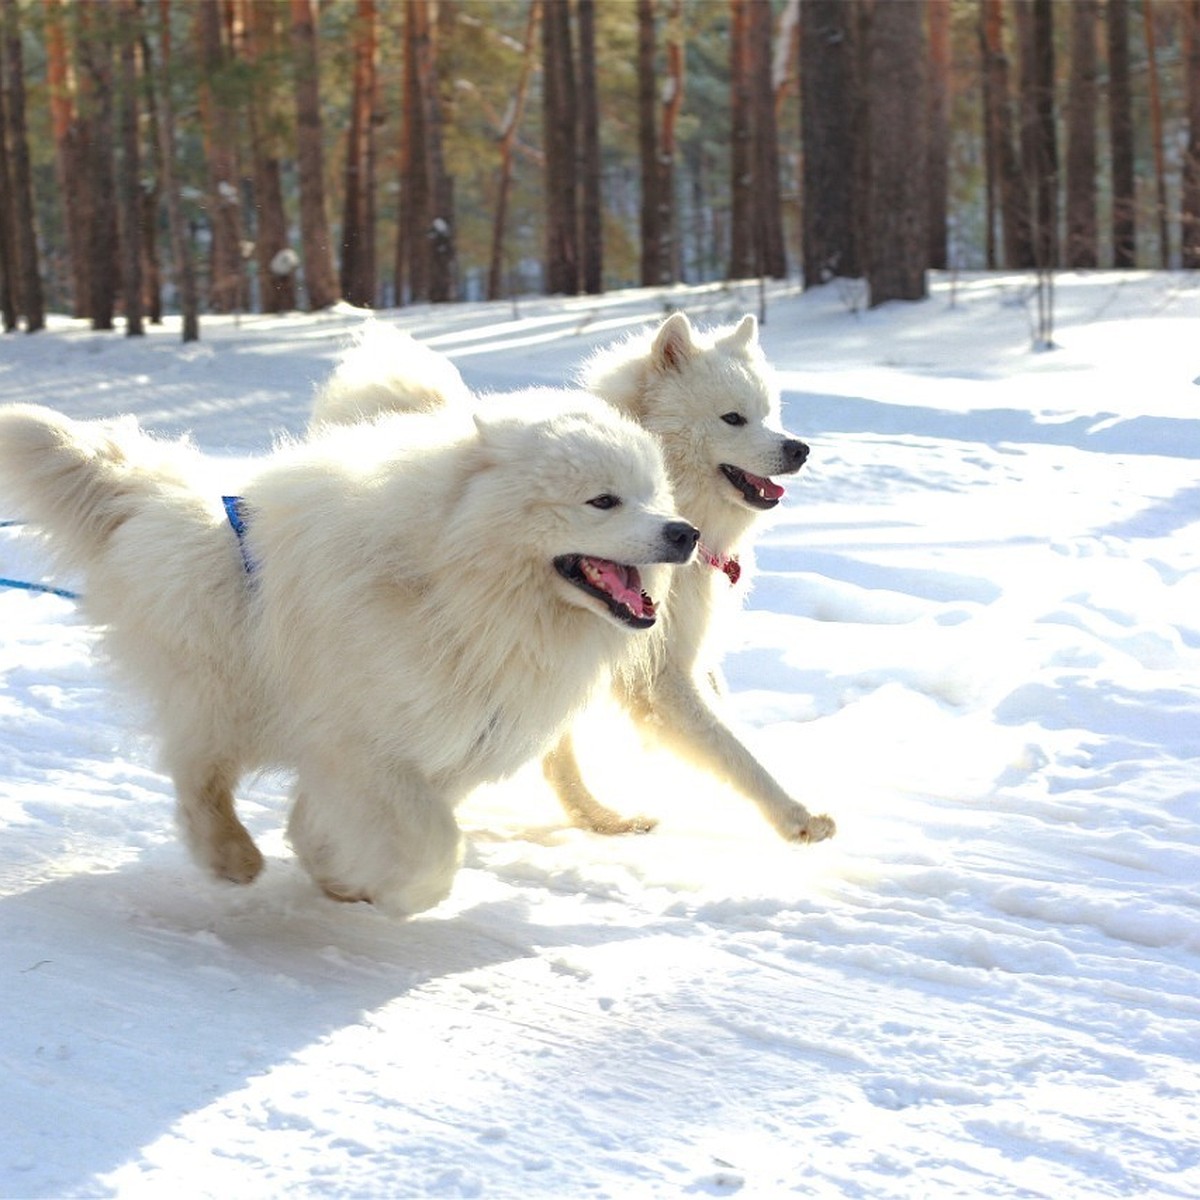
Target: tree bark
558, 134
1039, 167
9, 316
358, 221
829, 133
69, 169
1014, 200
651, 206
938, 167
320, 279
227, 281
1120, 132
94, 46
1156, 137
439, 232
185, 271
743, 260
273, 256
897, 199
769, 252
28, 268
591, 242
508, 141
1082, 249
1190, 203
130, 170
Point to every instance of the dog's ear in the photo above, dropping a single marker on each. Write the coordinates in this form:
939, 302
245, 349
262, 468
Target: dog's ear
743, 335
673, 344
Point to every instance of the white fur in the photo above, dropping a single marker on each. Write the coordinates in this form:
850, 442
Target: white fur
403, 637
678, 383
385, 363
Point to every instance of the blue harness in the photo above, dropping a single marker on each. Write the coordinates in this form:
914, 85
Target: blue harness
235, 510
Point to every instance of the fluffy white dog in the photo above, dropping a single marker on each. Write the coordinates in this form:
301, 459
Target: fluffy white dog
398, 611
711, 402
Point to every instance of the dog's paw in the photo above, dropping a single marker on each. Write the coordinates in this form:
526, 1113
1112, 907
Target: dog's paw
239, 860
809, 828
622, 825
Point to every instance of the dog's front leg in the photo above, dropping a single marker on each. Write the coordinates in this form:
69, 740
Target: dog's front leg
562, 772
679, 715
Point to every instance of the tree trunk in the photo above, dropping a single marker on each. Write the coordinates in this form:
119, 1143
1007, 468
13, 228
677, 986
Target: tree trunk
897, 198
185, 271
1081, 248
829, 132
227, 283
69, 170
743, 260
9, 316
651, 206
28, 269
1039, 165
149, 190
508, 141
439, 232
95, 52
558, 135
1156, 136
130, 173
1120, 132
769, 252
319, 276
591, 240
275, 260
939, 130
412, 262
358, 224
1014, 200
1190, 203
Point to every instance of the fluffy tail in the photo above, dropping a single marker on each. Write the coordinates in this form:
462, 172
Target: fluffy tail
383, 371
78, 481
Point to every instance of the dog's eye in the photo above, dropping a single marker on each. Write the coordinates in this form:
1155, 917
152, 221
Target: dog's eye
607, 500
733, 418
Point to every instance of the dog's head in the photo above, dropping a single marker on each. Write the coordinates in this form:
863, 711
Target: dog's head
581, 494
711, 400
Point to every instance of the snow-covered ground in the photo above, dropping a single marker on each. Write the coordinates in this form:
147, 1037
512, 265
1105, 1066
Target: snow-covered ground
974, 639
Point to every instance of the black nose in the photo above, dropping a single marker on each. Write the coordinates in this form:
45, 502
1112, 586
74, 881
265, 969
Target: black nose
794, 454
681, 537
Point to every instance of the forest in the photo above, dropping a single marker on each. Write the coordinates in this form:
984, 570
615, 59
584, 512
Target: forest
229, 156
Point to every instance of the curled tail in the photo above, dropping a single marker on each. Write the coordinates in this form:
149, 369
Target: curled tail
386, 370
78, 481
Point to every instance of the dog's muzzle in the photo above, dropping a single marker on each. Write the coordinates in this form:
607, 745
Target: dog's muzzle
680, 539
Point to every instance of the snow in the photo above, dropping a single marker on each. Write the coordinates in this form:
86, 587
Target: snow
974, 638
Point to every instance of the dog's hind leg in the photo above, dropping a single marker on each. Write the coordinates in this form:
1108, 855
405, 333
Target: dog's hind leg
383, 836
216, 838
678, 715
562, 772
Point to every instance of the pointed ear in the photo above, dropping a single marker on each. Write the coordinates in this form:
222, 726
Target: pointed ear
744, 334
673, 344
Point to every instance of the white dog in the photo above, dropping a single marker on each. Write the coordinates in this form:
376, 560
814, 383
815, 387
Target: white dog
398, 611
712, 404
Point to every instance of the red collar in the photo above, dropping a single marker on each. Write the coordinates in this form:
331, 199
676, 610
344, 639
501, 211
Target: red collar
725, 563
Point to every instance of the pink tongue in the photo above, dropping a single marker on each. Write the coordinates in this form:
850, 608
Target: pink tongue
623, 584
768, 488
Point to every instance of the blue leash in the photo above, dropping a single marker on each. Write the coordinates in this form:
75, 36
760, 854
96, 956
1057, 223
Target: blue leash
26, 586
234, 510
46, 588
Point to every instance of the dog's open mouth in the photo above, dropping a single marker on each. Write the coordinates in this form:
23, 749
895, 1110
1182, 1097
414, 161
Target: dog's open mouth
617, 586
757, 491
